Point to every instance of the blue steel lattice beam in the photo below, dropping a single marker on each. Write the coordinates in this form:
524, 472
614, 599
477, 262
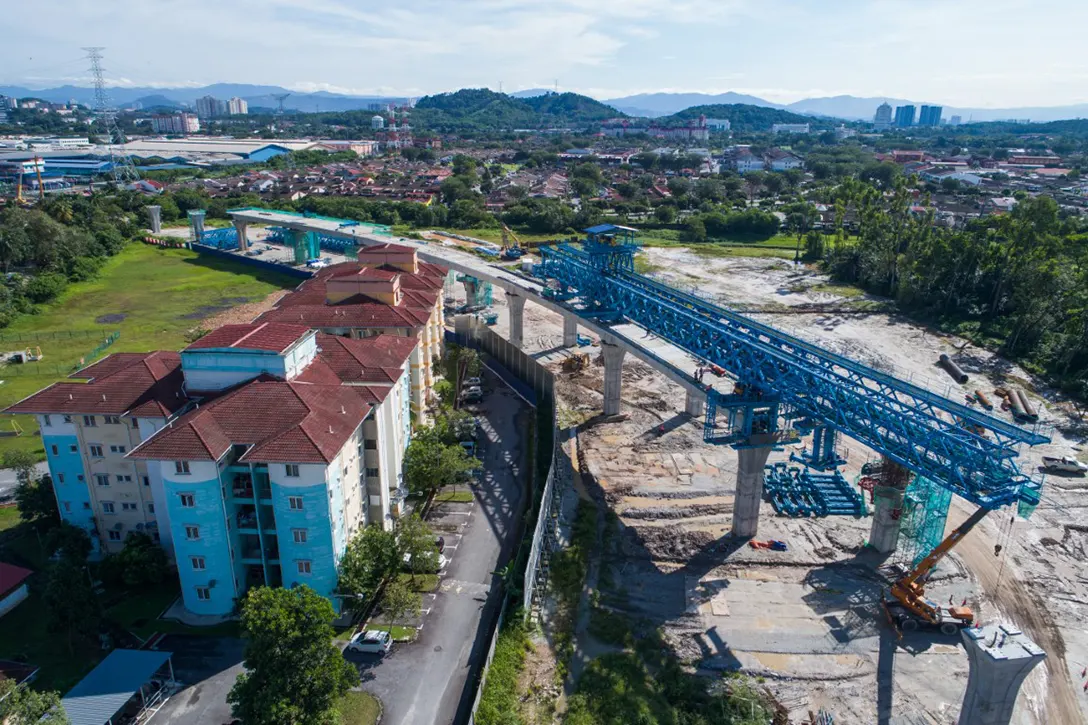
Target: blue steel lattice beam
910, 425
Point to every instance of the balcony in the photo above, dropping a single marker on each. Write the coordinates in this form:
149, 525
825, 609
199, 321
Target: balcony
252, 553
246, 520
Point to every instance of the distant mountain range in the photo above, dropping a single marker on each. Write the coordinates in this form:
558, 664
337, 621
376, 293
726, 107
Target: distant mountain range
852, 108
650, 105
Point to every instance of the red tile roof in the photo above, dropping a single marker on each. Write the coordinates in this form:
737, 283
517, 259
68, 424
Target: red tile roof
356, 311
378, 359
273, 337
147, 384
286, 422
11, 577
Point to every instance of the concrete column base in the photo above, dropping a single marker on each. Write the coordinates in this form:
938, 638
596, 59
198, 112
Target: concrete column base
749, 491
1000, 657
154, 217
694, 403
517, 318
570, 331
884, 534
613, 376
243, 240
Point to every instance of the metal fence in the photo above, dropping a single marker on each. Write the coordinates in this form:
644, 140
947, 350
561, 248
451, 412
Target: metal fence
52, 335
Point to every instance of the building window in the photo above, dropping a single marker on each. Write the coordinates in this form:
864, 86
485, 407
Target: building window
192, 533
47, 421
155, 536
79, 477
135, 423
102, 479
300, 535
372, 473
73, 449
198, 563
147, 481
114, 535
203, 594
60, 478
151, 508
370, 444
117, 449
68, 507
86, 505
107, 507
54, 449
96, 450
112, 420
128, 507
304, 567
181, 468
67, 419
123, 479
294, 503
292, 470
188, 501
89, 421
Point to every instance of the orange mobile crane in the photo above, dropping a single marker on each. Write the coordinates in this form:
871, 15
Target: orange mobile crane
908, 609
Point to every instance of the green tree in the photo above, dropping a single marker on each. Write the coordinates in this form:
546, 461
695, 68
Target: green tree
70, 542
141, 563
371, 556
21, 705
34, 497
430, 464
399, 600
416, 543
666, 213
294, 673
70, 604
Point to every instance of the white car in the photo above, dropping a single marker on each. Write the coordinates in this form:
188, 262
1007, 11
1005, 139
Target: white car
473, 382
371, 640
1066, 464
442, 561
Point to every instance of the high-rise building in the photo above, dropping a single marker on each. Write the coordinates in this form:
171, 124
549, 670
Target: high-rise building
883, 117
179, 123
904, 116
955, 121
210, 107
237, 106
930, 116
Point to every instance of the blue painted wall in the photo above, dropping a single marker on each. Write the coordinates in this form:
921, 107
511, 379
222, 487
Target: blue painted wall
68, 465
214, 545
319, 548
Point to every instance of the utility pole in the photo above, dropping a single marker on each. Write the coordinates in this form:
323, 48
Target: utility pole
121, 164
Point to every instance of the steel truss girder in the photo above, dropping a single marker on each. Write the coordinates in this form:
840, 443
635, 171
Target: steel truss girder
908, 424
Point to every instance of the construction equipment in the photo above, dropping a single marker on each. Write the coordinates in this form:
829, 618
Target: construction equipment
908, 609
511, 251
576, 362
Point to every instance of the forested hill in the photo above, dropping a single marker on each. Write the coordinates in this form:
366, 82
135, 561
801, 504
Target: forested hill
744, 117
481, 109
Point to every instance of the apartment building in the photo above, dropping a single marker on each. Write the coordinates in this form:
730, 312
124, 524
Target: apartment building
253, 456
388, 291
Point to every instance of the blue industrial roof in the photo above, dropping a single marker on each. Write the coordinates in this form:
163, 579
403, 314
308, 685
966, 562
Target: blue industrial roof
103, 692
606, 228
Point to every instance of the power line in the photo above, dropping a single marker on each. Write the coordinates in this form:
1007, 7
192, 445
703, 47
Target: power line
121, 164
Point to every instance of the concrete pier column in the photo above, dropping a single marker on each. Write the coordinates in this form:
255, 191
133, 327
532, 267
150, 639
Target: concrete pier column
570, 330
196, 224
1000, 656
517, 318
694, 403
470, 290
243, 240
154, 218
613, 376
749, 491
887, 511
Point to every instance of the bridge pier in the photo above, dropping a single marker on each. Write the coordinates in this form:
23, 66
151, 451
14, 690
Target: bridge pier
694, 403
613, 375
243, 240
887, 513
1000, 657
154, 217
517, 318
570, 331
749, 491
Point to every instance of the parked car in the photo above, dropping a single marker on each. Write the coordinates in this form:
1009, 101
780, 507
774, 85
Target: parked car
466, 429
473, 382
472, 395
374, 641
1065, 464
469, 447
442, 561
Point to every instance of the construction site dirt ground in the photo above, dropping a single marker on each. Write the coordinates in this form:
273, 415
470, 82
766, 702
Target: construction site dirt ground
808, 622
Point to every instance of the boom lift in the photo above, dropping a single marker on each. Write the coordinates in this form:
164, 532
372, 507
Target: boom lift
908, 609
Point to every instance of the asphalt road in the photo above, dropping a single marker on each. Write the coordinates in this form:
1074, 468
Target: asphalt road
8, 481
208, 666
423, 683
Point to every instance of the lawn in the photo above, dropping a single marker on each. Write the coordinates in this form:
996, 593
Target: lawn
151, 295
9, 518
419, 582
400, 634
359, 708
138, 613
454, 497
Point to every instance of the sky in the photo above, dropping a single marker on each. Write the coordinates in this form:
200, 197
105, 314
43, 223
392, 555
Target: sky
979, 53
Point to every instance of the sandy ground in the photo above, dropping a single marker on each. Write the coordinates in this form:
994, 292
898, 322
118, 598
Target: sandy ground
808, 620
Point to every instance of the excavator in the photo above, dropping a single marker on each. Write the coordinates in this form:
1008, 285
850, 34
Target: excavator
511, 251
907, 607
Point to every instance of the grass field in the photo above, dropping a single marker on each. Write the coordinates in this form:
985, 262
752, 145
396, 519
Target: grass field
454, 497
9, 518
359, 708
151, 295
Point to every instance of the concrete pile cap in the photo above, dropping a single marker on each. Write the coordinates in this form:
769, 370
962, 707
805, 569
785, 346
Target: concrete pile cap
1004, 642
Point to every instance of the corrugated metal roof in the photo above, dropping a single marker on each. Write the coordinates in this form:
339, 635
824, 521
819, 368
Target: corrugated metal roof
99, 695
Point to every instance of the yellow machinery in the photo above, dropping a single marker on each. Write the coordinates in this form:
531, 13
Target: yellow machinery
908, 609
576, 362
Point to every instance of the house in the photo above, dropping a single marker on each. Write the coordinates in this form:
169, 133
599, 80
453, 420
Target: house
12, 586
1000, 204
779, 160
902, 156
744, 161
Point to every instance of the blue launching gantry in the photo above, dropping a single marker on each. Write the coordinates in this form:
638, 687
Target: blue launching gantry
962, 449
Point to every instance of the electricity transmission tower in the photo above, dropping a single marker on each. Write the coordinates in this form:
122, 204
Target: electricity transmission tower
121, 164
